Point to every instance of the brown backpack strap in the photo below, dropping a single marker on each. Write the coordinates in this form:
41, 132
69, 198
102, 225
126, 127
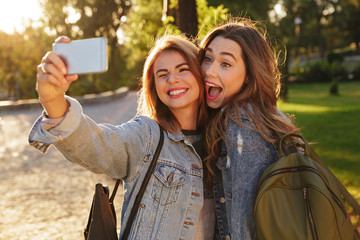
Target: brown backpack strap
111, 200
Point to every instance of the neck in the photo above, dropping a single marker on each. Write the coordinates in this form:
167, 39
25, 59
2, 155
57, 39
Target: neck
187, 118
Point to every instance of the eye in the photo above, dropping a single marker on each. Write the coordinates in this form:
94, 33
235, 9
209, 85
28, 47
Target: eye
225, 64
162, 75
184, 69
207, 59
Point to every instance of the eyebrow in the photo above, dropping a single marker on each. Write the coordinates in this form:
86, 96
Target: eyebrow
177, 66
223, 53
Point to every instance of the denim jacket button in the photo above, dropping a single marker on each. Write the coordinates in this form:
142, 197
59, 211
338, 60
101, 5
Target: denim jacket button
227, 237
222, 200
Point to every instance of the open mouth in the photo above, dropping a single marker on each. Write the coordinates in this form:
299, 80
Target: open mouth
212, 90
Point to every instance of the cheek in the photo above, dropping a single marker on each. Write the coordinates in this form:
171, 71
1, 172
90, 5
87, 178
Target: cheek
232, 84
203, 69
158, 88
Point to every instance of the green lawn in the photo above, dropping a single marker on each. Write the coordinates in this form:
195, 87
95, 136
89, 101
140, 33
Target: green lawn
332, 124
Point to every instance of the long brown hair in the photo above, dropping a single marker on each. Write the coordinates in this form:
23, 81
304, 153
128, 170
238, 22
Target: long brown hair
149, 103
259, 93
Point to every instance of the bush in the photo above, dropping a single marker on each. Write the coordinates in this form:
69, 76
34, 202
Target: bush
320, 71
338, 71
317, 71
356, 72
335, 57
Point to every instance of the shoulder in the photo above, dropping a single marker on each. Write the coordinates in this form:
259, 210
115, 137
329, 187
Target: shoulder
238, 115
147, 127
241, 129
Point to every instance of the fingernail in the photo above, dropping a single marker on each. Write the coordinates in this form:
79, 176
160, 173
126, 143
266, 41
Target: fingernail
63, 70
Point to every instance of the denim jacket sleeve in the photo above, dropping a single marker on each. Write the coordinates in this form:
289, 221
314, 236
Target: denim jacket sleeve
248, 154
101, 148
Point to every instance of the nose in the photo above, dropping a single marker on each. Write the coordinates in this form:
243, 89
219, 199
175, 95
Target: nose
172, 78
210, 70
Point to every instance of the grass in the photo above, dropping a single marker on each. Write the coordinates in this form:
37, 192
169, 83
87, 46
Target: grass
332, 124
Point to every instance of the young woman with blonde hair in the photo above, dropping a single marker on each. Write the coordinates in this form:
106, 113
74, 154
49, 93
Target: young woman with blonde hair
242, 85
172, 96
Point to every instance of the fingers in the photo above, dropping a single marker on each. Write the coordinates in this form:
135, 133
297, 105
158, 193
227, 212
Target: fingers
63, 39
53, 69
55, 60
71, 78
57, 80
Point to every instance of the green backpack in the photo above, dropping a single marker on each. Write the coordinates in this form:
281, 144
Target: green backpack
299, 198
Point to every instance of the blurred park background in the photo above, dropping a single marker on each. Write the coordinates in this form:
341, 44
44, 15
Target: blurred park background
317, 41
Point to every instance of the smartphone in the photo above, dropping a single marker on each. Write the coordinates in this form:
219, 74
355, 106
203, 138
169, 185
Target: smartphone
83, 56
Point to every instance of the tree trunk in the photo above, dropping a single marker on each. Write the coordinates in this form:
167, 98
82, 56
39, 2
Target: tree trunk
112, 65
319, 36
187, 21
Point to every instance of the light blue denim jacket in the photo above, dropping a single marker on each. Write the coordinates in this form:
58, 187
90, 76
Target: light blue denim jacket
174, 196
244, 156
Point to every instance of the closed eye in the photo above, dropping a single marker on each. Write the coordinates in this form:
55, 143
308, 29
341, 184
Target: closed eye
162, 73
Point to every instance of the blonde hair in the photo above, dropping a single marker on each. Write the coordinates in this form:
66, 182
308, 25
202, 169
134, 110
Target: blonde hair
149, 103
259, 93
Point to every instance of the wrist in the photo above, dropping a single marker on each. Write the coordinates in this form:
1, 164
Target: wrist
55, 108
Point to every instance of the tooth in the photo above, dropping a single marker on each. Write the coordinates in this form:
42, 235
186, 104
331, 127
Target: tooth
176, 92
211, 85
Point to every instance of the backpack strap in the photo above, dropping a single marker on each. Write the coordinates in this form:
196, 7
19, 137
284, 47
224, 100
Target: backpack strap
286, 139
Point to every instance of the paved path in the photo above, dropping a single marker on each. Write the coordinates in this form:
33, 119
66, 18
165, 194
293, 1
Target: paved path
45, 197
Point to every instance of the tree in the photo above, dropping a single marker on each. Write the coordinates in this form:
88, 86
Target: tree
104, 18
207, 17
20, 53
90, 18
210, 16
255, 9
188, 22
143, 24
350, 20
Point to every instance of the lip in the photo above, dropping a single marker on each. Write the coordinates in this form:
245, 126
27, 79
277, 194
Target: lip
177, 89
207, 82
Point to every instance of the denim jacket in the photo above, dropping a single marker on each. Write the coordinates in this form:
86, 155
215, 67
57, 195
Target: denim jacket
244, 156
174, 196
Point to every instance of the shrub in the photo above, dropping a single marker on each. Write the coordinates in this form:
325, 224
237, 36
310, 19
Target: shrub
317, 71
338, 71
356, 72
335, 57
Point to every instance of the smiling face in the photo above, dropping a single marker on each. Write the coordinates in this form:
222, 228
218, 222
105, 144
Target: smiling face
175, 84
224, 71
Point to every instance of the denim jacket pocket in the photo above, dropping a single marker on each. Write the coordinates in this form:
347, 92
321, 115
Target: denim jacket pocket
167, 184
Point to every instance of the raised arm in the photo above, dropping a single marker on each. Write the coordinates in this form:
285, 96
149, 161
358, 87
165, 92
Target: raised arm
53, 82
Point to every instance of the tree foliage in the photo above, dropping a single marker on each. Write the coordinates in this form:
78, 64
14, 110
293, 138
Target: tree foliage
20, 53
86, 19
131, 26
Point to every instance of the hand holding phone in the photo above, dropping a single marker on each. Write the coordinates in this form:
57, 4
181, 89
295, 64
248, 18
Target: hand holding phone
83, 56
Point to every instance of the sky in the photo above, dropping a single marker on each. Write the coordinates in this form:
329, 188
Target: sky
12, 13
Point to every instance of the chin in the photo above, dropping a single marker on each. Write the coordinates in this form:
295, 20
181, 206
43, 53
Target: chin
213, 105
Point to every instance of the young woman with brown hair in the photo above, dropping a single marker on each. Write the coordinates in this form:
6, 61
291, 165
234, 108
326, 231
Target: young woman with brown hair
172, 95
242, 85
